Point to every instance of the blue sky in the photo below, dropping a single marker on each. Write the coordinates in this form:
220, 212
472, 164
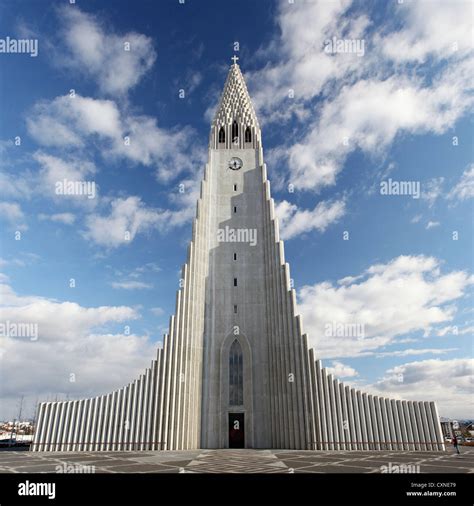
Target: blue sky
334, 127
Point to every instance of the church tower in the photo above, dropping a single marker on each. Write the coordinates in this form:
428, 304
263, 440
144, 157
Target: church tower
252, 341
235, 369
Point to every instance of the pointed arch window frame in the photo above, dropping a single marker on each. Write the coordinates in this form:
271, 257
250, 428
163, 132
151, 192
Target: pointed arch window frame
236, 374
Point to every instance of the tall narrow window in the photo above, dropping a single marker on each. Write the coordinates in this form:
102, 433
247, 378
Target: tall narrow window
235, 132
235, 281
248, 135
236, 380
235, 209
235, 309
235, 256
235, 187
221, 135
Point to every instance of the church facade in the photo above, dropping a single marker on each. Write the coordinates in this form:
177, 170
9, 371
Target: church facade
235, 369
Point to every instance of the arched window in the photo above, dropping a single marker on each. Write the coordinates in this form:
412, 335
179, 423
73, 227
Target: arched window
236, 381
221, 135
248, 135
235, 131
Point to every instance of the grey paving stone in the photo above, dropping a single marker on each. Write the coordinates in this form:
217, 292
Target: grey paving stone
240, 461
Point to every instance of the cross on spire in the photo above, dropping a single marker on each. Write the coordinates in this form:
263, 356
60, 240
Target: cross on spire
234, 59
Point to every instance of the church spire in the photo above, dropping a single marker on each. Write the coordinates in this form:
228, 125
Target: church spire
235, 123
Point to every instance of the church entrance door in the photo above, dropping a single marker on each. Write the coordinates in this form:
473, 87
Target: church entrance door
236, 430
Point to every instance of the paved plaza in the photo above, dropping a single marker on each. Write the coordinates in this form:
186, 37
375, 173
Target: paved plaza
239, 461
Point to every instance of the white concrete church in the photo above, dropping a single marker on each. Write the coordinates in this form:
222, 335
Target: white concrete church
235, 370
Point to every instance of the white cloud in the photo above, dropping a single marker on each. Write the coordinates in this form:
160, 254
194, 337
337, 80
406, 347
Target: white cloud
11, 212
464, 189
303, 66
435, 28
294, 221
72, 340
191, 81
186, 197
387, 301
449, 383
78, 122
149, 267
65, 218
157, 311
15, 186
432, 224
342, 370
93, 51
131, 285
127, 217
368, 102
432, 189
454, 330
21, 259
368, 115
415, 351
65, 120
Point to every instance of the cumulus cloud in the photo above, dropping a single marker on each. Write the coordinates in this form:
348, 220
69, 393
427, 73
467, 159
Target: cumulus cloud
384, 303
56, 171
76, 351
13, 214
11, 211
76, 122
447, 382
295, 221
368, 115
129, 217
66, 120
70, 117
368, 101
341, 370
117, 62
427, 30
16, 186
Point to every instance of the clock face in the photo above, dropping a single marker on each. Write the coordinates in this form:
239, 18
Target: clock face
235, 163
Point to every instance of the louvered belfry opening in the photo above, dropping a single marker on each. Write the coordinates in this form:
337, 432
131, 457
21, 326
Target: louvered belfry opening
248, 135
235, 133
221, 135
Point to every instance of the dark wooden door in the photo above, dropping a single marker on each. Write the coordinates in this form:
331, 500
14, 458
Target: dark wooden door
236, 430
